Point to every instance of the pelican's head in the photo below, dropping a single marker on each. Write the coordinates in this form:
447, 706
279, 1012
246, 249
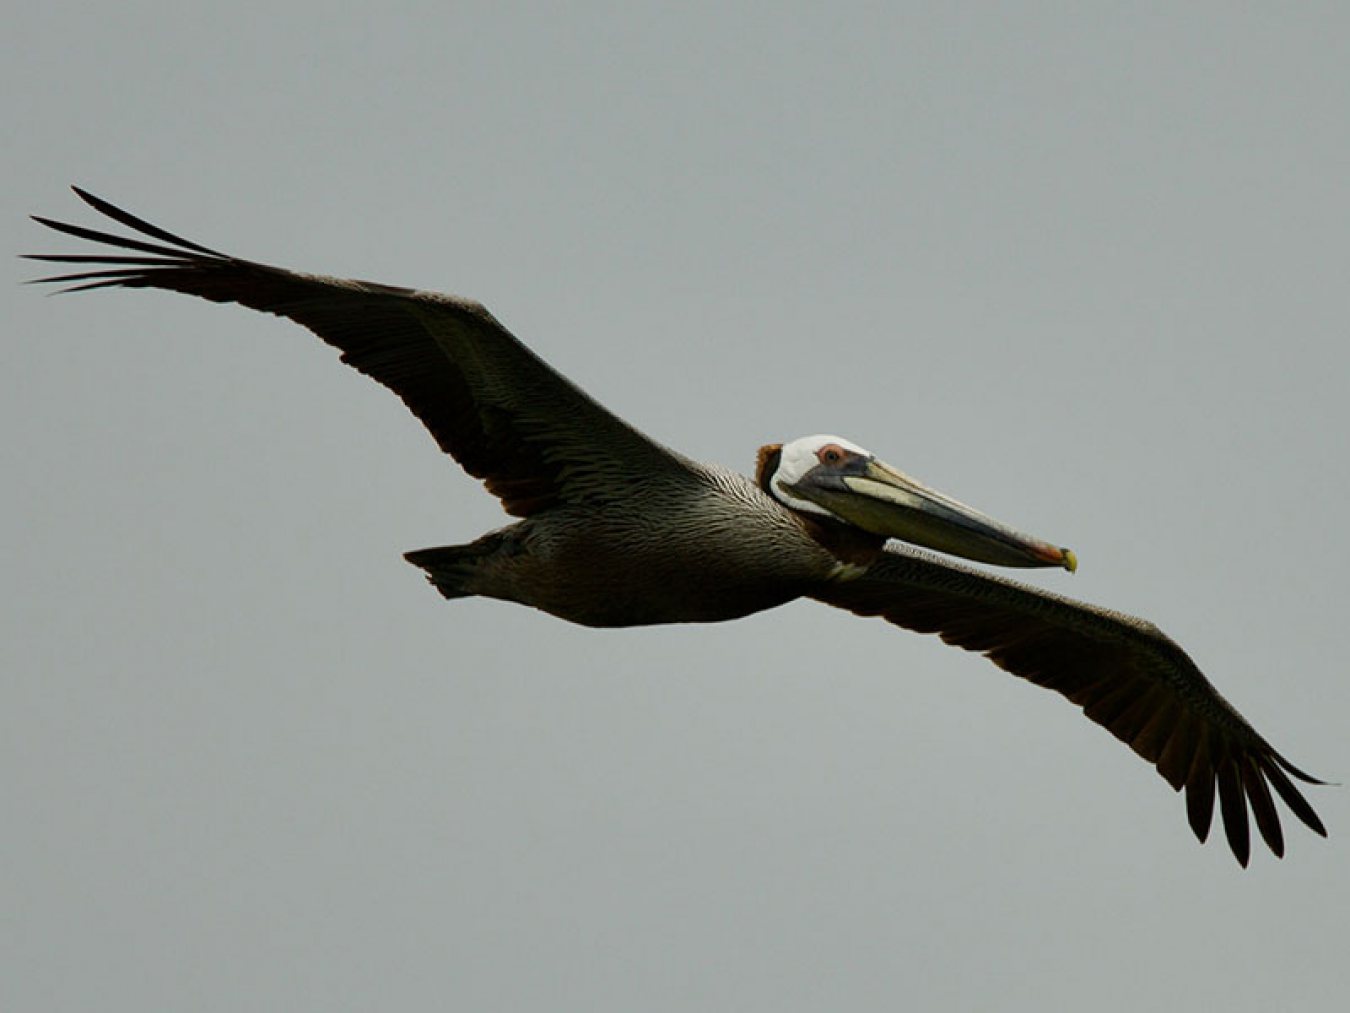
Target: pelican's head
827, 476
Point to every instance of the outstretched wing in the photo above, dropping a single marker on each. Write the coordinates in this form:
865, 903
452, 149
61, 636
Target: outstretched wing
502, 412
1124, 672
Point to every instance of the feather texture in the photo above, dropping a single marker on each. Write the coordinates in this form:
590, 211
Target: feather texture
1124, 673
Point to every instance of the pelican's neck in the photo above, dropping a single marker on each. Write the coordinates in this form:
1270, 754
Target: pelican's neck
766, 464
843, 541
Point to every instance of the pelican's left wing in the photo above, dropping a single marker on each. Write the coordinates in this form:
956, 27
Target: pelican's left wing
1124, 672
504, 414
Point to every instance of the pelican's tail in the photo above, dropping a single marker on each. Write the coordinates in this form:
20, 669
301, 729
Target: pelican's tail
449, 567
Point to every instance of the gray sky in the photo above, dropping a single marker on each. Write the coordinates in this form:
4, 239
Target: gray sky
1083, 268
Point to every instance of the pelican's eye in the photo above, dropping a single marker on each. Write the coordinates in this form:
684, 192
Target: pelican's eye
831, 454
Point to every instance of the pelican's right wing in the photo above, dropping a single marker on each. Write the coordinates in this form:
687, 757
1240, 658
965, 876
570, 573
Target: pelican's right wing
498, 409
1124, 672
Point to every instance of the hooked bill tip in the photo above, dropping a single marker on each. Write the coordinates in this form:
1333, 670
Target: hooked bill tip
1053, 555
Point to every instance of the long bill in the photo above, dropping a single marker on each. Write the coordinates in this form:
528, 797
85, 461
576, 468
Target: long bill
886, 501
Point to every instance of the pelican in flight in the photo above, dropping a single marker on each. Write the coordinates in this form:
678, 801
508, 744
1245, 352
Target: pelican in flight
617, 530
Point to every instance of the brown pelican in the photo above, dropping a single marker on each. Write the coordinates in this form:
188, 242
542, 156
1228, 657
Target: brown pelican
617, 530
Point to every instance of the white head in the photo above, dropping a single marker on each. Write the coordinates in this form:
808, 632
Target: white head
829, 476
803, 455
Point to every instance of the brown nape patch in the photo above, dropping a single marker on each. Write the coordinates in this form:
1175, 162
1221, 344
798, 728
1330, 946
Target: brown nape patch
845, 542
767, 463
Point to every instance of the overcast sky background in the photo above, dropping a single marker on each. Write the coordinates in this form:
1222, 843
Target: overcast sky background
1082, 266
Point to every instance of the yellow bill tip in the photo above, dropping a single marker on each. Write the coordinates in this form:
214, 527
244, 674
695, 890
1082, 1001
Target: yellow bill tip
1070, 560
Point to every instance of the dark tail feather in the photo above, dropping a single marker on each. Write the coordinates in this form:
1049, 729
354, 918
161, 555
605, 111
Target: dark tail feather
449, 567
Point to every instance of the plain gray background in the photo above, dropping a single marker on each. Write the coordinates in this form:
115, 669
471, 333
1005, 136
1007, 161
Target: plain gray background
1083, 266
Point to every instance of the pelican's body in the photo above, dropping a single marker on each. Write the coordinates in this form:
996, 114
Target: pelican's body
616, 530
725, 550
